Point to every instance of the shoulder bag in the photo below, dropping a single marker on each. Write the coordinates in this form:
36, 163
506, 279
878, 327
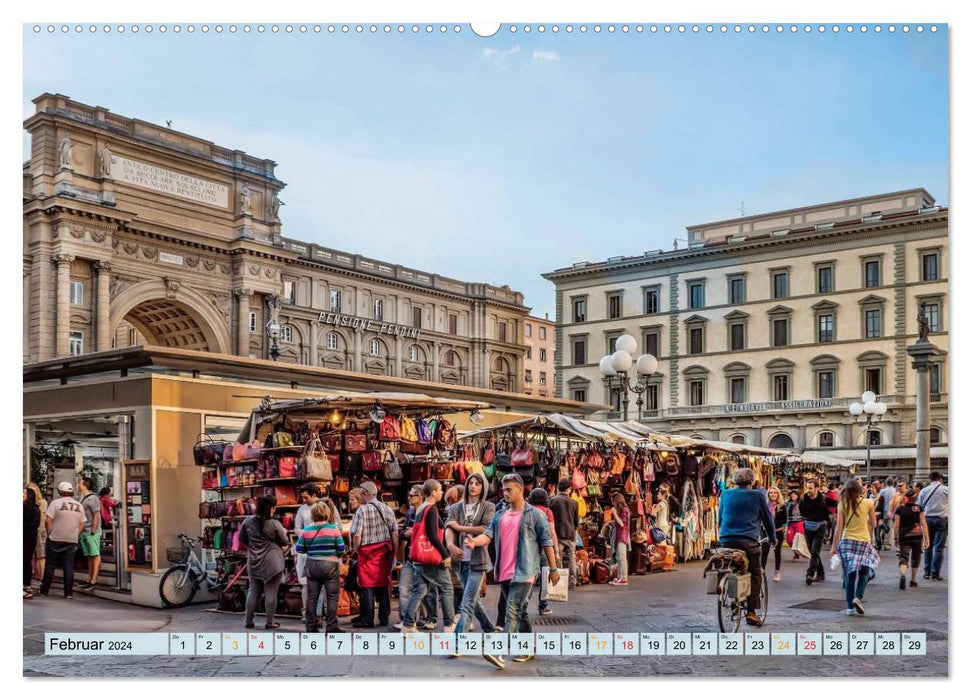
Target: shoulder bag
392, 470
422, 551
316, 464
409, 431
355, 440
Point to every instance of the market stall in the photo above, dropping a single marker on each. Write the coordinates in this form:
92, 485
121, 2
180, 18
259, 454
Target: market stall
336, 441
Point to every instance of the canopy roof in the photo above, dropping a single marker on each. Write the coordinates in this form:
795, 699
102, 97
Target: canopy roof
314, 407
827, 460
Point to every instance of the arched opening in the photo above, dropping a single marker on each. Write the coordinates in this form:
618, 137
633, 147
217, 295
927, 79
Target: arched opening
781, 441
169, 315
168, 323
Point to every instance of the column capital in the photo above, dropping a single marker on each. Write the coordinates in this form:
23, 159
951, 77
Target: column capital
62, 259
243, 293
102, 266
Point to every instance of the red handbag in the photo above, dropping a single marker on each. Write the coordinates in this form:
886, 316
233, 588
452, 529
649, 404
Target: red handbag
422, 551
332, 441
389, 430
285, 495
579, 481
523, 456
287, 466
422, 471
489, 451
355, 441
444, 471
371, 461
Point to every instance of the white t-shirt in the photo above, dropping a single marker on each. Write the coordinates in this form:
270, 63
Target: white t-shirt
68, 518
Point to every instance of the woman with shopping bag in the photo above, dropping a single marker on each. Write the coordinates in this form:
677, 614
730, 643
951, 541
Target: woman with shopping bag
794, 526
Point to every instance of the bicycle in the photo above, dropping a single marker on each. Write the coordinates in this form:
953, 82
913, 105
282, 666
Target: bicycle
732, 583
180, 583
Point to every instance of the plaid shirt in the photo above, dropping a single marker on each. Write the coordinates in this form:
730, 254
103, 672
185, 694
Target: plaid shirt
374, 521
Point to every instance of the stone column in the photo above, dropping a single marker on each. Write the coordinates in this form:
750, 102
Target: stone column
436, 361
314, 332
398, 350
62, 343
358, 360
243, 297
922, 353
103, 304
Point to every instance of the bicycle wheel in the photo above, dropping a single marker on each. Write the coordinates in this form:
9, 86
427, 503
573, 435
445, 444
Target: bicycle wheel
178, 586
729, 610
763, 606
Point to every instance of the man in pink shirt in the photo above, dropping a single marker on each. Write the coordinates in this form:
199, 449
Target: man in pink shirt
519, 533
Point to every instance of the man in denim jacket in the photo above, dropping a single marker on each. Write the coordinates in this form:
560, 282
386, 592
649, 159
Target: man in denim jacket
519, 532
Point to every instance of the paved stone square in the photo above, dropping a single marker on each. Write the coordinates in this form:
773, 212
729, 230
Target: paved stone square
660, 602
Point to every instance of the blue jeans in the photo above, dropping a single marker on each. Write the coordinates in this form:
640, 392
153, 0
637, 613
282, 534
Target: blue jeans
934, 559
430, 580
406, 580
517, 599
471, 605
855, 584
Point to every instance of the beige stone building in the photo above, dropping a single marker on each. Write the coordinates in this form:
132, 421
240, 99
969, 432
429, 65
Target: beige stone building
137, 233
767, 327
539, 336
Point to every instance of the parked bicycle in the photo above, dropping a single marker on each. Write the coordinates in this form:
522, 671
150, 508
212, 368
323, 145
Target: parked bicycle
180, 583
731, 581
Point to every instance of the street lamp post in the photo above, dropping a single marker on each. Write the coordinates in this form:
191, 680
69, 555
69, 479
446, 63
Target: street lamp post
273, 333
615, 370
871, 408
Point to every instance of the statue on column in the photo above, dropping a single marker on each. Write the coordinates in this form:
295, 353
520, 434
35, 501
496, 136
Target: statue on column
245, 201
104, 162
923, 325
65, 151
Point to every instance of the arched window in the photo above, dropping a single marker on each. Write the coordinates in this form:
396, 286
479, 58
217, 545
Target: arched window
378, 310
375, 348
332, 341
738, 439
935, 436
413, 353
826, 439
781, 441
286, 334
874, 437
450, 359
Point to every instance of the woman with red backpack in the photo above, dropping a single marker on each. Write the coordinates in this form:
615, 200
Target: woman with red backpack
431, 560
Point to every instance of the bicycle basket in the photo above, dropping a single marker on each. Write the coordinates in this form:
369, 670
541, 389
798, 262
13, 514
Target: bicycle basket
177, 555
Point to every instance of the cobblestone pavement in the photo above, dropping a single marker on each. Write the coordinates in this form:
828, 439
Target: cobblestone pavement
661, 602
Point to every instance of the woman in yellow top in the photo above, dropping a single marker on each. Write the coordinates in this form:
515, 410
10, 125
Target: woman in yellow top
855, 521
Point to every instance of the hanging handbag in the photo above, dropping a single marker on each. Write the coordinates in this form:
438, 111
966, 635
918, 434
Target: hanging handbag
489, 470
578, 482
671, 464
422, 551
341, 486
489, 451
371, 461
331, 440
389, 430
316, 463
392, 470
425, 434
523, 456
355, 441
408, 429
281, 439
444, 434
618, 461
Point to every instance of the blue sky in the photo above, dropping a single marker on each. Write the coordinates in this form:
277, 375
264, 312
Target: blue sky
498, 159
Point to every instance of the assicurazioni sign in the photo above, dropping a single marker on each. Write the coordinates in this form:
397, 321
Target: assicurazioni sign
367, 325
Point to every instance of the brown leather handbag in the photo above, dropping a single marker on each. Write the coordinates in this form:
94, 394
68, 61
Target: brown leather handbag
618, 461
355, 441
444, 471
371, 461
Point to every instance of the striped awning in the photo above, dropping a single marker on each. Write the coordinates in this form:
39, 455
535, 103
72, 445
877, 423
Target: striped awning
859, 453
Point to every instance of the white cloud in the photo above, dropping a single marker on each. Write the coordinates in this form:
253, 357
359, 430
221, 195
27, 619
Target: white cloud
546, 56
499, 57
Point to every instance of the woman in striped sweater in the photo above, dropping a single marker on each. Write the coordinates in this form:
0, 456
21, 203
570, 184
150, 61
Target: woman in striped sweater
323, 544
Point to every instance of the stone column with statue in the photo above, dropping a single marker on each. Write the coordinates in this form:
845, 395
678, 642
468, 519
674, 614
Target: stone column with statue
922, 354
